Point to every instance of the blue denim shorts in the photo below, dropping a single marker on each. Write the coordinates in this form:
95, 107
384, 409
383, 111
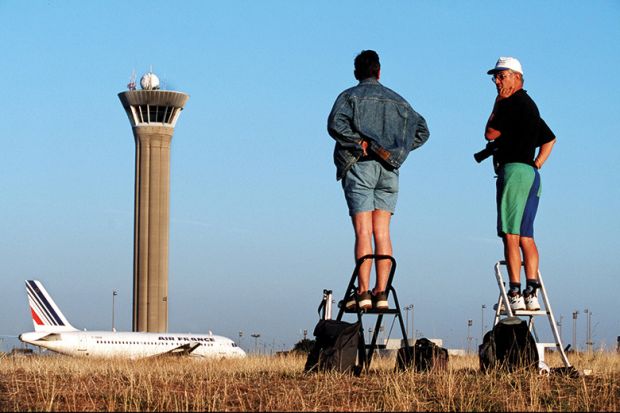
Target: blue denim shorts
369, 185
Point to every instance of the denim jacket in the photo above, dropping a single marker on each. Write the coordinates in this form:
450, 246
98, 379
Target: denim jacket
373, 112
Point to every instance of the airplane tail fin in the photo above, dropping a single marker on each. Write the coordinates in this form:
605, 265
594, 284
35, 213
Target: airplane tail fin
46, 316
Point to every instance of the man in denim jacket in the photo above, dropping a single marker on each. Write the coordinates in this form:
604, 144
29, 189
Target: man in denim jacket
374, 129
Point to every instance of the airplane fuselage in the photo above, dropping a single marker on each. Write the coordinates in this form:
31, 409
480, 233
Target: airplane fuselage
133, 344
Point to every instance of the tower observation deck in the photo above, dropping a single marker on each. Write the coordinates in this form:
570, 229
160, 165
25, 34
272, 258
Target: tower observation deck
153, 114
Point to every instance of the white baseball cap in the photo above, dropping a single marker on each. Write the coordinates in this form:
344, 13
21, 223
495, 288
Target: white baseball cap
506, 63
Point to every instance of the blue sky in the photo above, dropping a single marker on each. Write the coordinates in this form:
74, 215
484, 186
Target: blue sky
259, 226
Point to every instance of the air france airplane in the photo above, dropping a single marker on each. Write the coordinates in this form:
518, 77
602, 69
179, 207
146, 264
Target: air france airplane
52, 331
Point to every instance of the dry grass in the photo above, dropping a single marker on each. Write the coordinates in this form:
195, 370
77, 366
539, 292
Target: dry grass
260, 383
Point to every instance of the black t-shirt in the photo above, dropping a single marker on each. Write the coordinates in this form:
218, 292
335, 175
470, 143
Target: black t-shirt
521, 127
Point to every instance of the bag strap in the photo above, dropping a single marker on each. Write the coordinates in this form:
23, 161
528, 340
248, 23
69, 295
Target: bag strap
321, 306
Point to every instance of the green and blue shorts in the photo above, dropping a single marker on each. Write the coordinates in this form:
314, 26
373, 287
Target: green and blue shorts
518, 193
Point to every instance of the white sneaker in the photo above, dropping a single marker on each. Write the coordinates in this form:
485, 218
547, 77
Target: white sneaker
531, 302
516, 302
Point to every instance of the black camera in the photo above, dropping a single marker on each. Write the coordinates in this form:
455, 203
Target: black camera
486, 152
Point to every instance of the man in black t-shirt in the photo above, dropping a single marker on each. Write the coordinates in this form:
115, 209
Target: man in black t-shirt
517, 130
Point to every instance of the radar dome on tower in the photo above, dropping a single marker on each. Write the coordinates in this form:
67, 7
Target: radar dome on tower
149, 81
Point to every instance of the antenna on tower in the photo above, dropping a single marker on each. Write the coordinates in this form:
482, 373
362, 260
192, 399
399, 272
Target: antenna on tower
132, 81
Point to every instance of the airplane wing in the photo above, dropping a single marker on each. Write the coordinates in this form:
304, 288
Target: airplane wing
182, 350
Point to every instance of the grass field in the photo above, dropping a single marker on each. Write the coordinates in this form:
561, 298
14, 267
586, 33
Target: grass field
263, 383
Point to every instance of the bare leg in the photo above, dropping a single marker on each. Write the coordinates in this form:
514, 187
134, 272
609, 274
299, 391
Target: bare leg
512, 253
383, 246
362, 224
530, 257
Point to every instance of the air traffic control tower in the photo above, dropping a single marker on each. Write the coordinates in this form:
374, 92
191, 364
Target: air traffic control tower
153, 114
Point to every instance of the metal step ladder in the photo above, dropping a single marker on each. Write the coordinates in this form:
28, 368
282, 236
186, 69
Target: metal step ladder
365, 356
502, 308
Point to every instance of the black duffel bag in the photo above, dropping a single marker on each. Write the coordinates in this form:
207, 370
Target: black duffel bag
336, 347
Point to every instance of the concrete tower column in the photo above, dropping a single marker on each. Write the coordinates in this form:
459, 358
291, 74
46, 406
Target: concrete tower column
153, 114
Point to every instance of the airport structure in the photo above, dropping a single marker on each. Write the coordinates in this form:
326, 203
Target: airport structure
153, 114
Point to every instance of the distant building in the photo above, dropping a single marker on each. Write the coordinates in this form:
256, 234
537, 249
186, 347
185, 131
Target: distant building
396, 343
21, 352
